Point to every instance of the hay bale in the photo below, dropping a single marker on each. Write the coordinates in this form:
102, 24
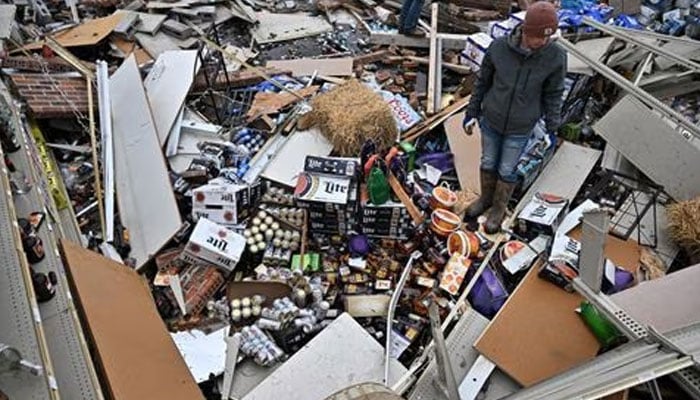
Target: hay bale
684, 225
349, 115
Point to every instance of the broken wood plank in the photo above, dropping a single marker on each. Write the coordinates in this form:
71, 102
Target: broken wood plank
127, 48
236, 79
460, 69
309, 66
271, 103
435, 120
370, 58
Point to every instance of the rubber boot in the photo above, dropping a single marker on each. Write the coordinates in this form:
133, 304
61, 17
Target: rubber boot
488, 185
501, 195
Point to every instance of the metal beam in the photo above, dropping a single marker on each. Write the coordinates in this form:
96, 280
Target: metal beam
631, 88
434, 67
631, 39
107, 147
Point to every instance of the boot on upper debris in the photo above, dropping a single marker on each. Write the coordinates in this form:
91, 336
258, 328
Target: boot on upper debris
488, 185
494, 217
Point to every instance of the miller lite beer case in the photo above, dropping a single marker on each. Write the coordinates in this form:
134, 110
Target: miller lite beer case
213, 244
224, 203
322, 188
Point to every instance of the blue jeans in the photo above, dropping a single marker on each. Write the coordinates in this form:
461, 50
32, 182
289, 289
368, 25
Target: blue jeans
410, 12
501, 153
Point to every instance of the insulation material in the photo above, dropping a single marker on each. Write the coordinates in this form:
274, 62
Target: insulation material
684, 225
349, 115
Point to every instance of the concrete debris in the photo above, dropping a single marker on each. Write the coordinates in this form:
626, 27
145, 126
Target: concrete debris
298, 184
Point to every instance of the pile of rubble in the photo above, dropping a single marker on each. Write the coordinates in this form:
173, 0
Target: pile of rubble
271, 165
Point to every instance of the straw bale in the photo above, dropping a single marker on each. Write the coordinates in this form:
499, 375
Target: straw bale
684, 225
349, 115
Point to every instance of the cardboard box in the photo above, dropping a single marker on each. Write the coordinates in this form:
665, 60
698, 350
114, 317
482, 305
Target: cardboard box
337, 166
225, 204
499, 29
543, 214
516, 19
475, 50
213, 244
316, 188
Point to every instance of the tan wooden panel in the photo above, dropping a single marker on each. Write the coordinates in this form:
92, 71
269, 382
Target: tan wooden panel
135, 353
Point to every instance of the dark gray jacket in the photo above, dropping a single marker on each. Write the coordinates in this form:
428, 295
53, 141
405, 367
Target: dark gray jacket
517, 87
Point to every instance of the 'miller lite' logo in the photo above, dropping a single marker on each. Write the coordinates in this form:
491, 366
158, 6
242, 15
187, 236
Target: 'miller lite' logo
332, 187
220, 244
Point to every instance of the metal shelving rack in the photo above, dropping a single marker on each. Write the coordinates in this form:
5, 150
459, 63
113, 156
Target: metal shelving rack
75, 373
20, 325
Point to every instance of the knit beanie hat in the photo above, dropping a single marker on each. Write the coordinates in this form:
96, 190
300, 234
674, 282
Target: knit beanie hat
540, 19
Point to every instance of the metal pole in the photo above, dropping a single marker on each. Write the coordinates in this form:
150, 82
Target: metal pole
631, 88
107, 147
392, 306
444, 366
629, 38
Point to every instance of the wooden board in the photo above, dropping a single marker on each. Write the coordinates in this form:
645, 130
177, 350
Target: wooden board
537, 334
88, 33
127, 47
467, 152
135, 353
307, 66
435, 120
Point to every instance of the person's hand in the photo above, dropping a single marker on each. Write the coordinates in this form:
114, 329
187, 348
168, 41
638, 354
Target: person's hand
468, 125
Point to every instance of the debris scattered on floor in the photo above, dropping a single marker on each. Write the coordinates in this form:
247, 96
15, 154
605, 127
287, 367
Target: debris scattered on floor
281, 176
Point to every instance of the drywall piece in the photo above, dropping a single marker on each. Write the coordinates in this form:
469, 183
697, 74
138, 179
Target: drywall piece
281, 27
289, 162
187, 149
203, 353
89, 33
343, 354
136, 355
367, 305
167, 85
157, 44
667, 303
148, 23
652, 145
146, 200
594, 48
7, 20
307, 66
537, 333
566, 171
467, 152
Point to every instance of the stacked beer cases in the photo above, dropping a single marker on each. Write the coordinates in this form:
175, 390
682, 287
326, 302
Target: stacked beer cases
386, 221
213, 244
329, 190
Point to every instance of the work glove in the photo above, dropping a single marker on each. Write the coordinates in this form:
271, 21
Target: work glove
468, 125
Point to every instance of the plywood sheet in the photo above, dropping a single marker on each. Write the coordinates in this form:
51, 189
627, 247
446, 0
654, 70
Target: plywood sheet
653, 146
128, 48
135, 352
89, 33
146, 200
307, 66
537, 334
167, 85
667, 303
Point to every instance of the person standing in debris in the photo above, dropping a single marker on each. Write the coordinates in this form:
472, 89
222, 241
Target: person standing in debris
521, 81
408, 20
